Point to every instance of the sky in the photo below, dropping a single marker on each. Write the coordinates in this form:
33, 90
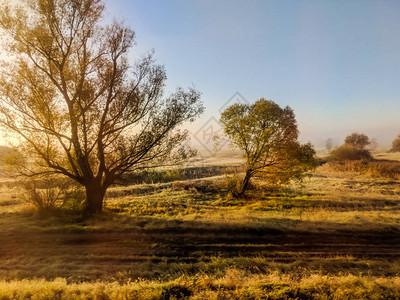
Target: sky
335, 63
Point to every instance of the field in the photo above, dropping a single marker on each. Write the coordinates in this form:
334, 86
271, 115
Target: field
337, 236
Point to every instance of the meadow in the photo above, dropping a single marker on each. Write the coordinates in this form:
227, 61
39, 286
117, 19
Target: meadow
180, 235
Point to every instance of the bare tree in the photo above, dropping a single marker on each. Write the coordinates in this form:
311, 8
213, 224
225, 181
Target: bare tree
81, 109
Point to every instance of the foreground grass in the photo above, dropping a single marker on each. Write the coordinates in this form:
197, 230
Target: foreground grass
336, 237
233, 285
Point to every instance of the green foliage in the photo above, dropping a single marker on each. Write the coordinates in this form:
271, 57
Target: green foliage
74, 198
357, 140
298, 162
263, 124
268, 137
348, 152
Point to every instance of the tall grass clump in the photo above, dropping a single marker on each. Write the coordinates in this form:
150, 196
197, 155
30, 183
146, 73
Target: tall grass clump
372, 168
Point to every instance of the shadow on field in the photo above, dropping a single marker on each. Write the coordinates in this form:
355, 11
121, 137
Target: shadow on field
158, 248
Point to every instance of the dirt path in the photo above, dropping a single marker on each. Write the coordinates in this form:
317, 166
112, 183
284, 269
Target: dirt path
95, 254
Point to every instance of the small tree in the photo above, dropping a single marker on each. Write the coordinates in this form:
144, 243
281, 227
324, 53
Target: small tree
80, 109
357, 140
268, 137
396, 144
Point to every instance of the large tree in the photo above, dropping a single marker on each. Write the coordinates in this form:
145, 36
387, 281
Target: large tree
81, 109
268, 136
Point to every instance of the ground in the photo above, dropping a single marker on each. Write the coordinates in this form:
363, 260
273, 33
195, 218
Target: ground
336, 236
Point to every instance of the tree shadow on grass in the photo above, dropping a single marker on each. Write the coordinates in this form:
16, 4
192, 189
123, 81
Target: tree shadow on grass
113, 246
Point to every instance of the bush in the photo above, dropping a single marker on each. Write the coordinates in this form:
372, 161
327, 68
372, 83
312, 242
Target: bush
234, 184
396, 144
74, 198
52, 192
349, 152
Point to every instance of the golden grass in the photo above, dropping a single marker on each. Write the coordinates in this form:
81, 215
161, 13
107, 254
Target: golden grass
335, 237
233, 285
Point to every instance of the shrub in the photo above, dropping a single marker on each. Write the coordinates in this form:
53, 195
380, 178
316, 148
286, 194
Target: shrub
396, 144
74, 198
233, 184
348, 152
52, 192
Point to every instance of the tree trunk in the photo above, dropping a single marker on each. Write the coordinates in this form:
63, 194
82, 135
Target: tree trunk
245, 183
94, 198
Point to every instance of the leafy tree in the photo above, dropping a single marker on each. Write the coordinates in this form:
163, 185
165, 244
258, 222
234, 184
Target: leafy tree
396, 144
268, 136
78, 105
357, 140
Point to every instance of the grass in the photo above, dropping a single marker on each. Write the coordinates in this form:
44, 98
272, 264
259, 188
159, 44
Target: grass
373, 168
233, 285
335, 237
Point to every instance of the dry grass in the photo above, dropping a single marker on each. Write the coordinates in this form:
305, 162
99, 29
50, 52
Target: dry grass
232, 285
335, 237
387, 155
372, 168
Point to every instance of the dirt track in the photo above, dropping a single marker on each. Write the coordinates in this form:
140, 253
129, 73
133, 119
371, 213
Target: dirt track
94, 254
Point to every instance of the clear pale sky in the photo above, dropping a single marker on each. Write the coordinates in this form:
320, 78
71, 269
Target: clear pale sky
336, 63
